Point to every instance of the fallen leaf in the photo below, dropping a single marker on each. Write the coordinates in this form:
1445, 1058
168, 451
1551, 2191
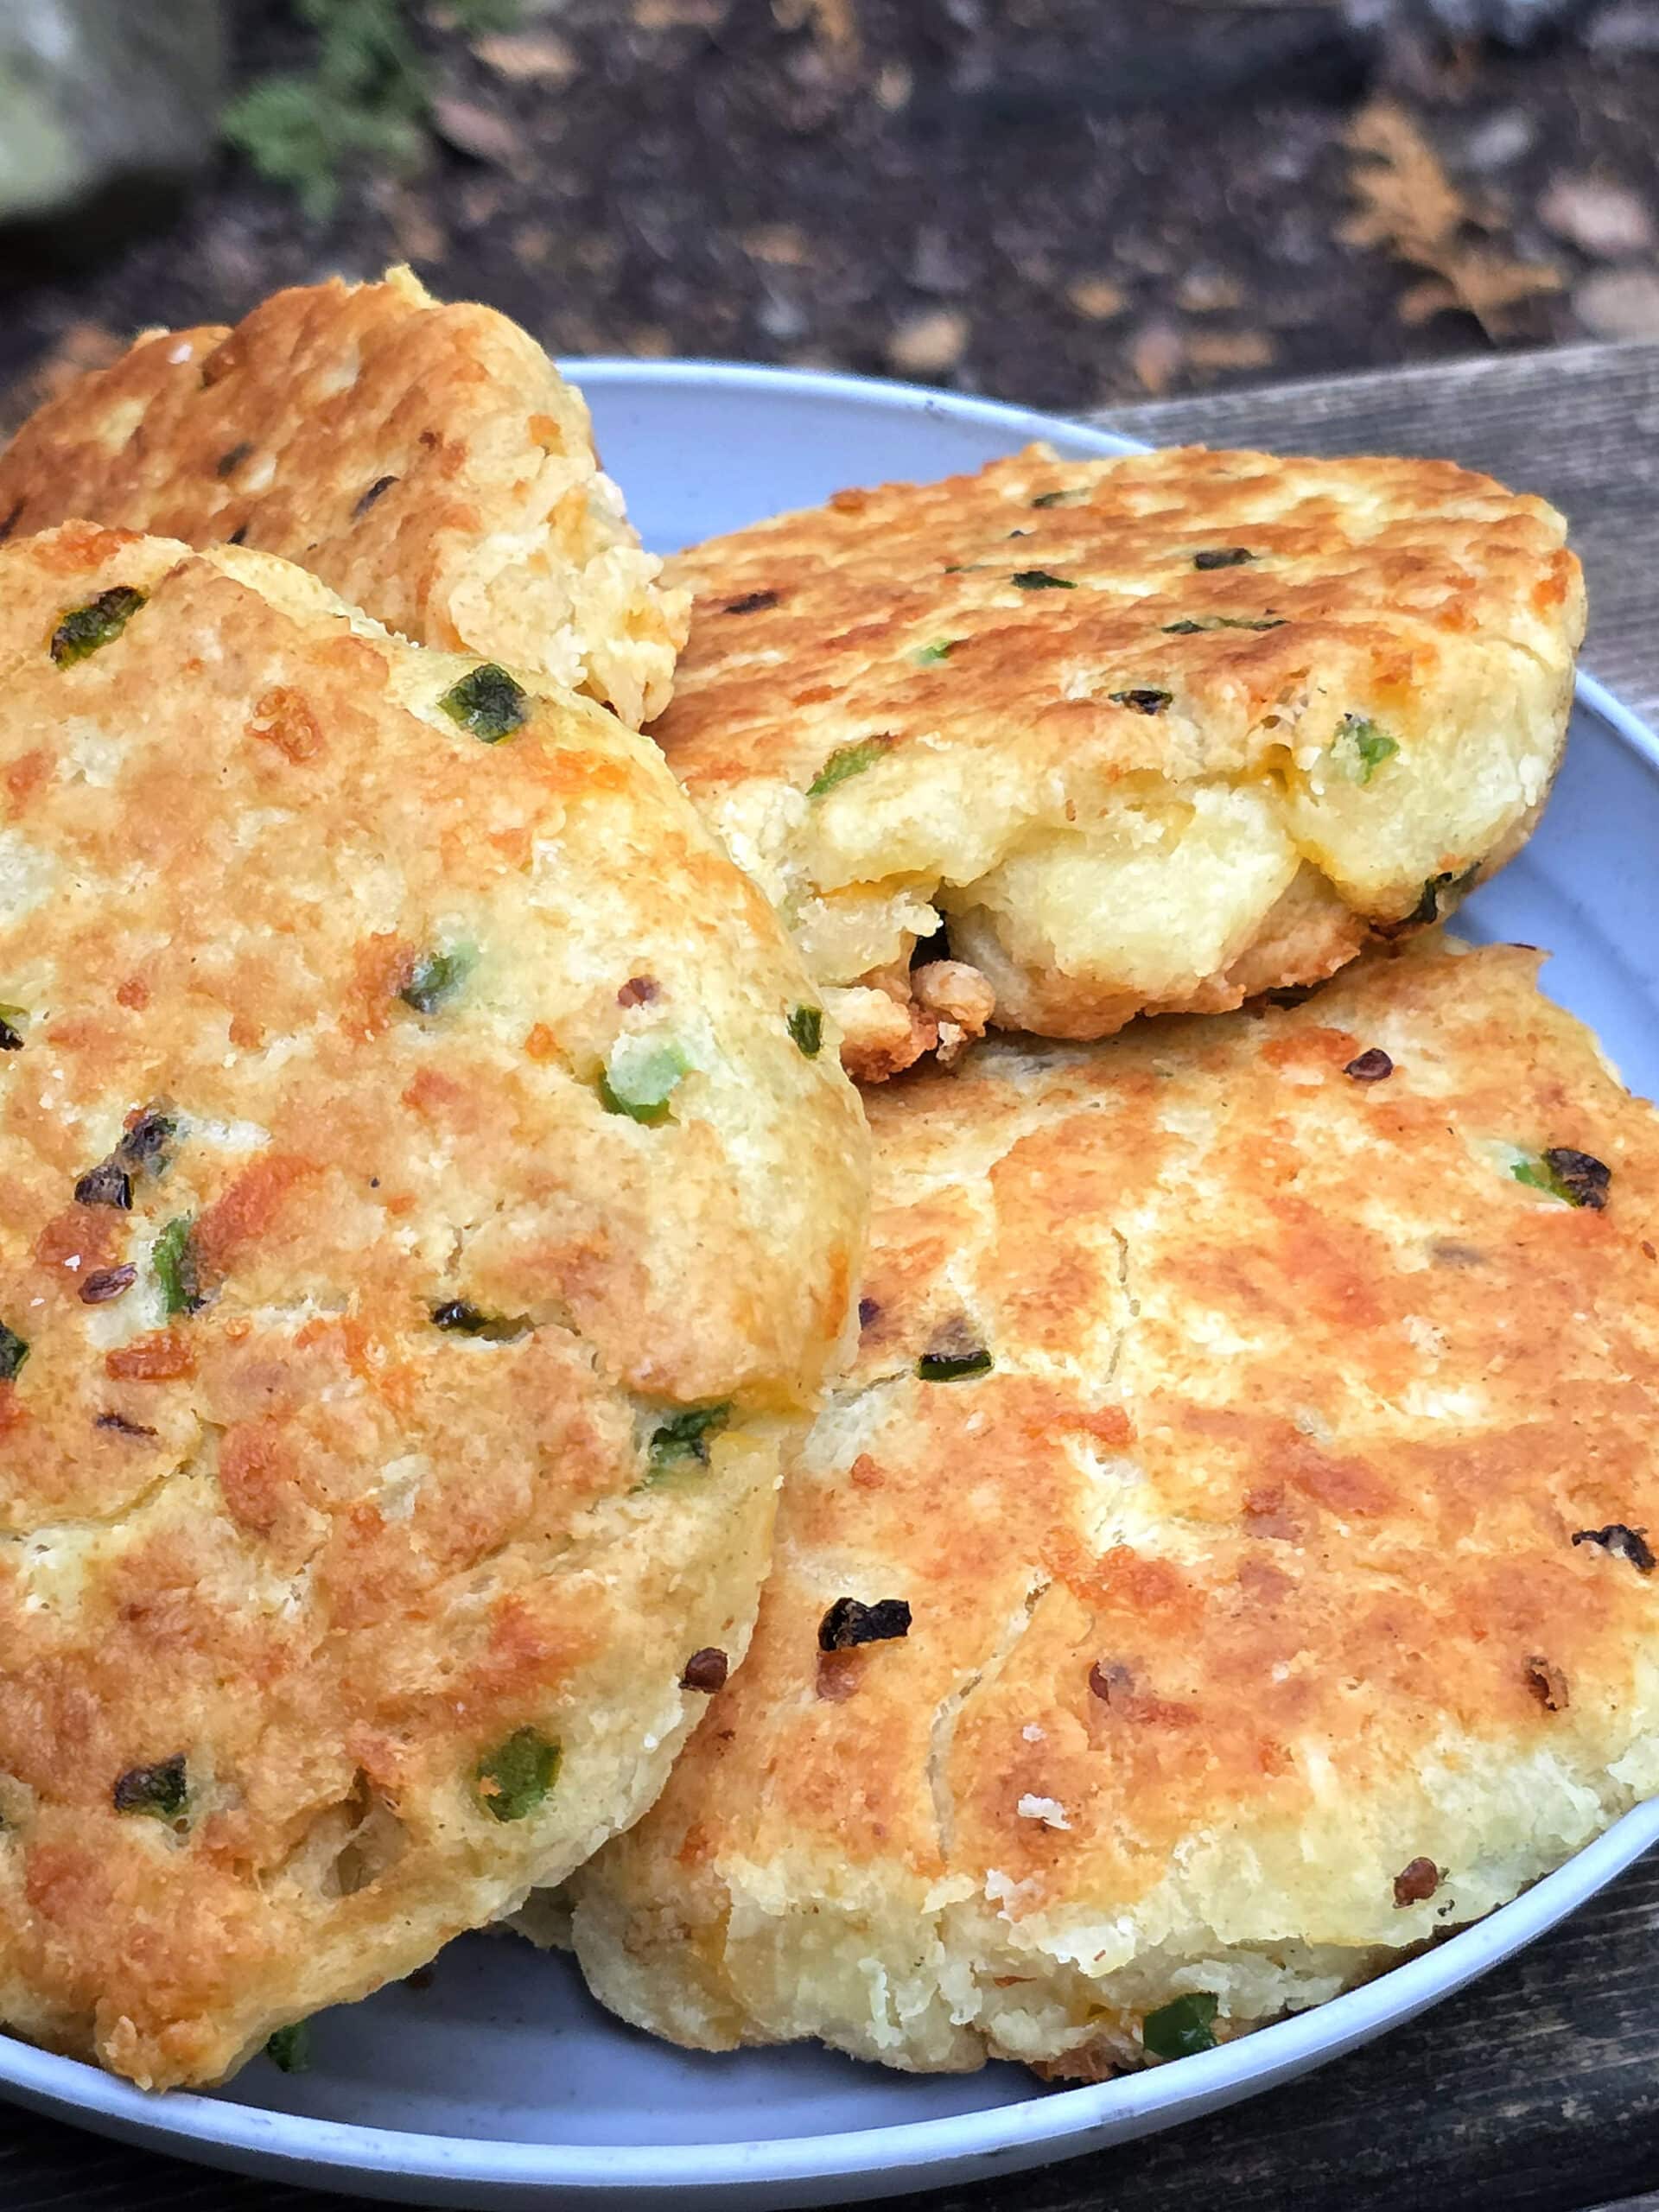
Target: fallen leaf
1157, 353
1206, 291
1409, 208
1231, 349
1619, 303
476, 130
680, 14
529, 57
1095, 299
784, 244
928, 344
834, 23
1607, 221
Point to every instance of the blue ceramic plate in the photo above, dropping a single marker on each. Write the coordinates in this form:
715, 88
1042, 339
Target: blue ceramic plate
498, 2082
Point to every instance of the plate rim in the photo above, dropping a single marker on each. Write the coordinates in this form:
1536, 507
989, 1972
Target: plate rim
1060, 2121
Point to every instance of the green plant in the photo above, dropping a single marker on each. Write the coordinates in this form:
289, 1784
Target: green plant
366, 103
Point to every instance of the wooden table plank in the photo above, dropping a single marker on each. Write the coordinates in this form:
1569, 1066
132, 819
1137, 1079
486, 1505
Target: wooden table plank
1537, 2090
1579, 425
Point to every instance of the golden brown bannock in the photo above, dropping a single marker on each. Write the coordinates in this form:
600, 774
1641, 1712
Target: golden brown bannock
420, 1235
1278, 1598
428, 461
1147, 734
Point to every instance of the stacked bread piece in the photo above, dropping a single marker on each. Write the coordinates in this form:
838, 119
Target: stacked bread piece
436, 1211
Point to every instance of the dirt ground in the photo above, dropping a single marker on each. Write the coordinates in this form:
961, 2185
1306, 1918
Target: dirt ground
1061, 201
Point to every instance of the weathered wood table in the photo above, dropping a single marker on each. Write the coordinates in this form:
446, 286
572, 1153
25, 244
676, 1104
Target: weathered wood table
1538, 2089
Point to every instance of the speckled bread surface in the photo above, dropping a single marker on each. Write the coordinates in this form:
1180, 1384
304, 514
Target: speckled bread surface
427, 461
428, 1206
1230, 1563
1149, 733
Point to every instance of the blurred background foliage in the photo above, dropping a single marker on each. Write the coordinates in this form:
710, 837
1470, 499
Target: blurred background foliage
1063, 201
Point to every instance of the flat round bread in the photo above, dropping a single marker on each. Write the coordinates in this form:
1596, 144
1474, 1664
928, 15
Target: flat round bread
1230, 1563
1138, 735
428, 1202
426, 461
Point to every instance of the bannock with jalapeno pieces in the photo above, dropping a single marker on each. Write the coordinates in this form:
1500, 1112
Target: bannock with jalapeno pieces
423, 1234
1229, 1564
1069, 741
424, 457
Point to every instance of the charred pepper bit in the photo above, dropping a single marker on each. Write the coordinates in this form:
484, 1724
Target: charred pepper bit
122, 1426
1181, 2028
848, 1623
436, 977
706, 1670
683, 1440
107, 1283
1547, 1684
1577, 1178
1415, 1882
489, 703
162, 1790
847, 760
14, 1350
10, 1038
173, 1256
1225, 556
951, 1366
1059, 498
289, 2049
1440, 895
83, 629
641, 1076
461, 1319
806, 1027
228, 463
512, 1780
377, 490
1373, 1065
1361, 747
1145, 699
106, 1184
1040, 580
752, 602
1622, 1542
1191, 627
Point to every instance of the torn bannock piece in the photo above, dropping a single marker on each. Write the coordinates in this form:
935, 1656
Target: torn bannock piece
1230, 1564
427, 461
424, 1230
1143, 735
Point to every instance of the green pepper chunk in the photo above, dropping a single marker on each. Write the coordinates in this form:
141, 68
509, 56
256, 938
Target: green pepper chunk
289, 2049
1181, 2028
683, 1440
1190, 628
641, 1076
941, 648
83, 629
1362, 746
952, 1366
12, 1039
14, 1350
489, 703
162, 1790
512, 1781
847, 760
436, 978
173, 1258
806, 1027
1040, 580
